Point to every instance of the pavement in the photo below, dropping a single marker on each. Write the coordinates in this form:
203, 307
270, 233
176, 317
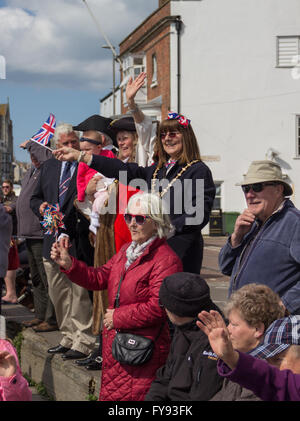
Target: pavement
64, 380
210, 271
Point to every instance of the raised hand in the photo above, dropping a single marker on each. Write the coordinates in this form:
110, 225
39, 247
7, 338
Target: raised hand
133, 87
8, 365
214, 327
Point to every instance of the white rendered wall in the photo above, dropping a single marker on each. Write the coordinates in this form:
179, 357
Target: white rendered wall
239, 103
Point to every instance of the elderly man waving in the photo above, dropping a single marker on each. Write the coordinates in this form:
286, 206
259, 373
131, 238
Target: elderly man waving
265, 245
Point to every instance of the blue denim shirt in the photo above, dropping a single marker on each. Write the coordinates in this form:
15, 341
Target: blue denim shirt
273, 257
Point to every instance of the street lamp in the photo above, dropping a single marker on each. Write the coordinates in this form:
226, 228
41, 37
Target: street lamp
114, 78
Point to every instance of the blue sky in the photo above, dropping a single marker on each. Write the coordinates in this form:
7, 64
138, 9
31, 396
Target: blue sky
54, 59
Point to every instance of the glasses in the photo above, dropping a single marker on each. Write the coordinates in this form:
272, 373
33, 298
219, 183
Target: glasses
5, 187
139, 219
256, 187
172, 135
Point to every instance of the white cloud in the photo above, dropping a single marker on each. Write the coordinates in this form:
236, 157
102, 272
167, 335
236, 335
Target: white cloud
56, 42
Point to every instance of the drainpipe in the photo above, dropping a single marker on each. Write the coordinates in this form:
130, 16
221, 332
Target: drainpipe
178, 26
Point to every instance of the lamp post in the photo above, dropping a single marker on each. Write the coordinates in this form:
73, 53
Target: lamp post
114, 78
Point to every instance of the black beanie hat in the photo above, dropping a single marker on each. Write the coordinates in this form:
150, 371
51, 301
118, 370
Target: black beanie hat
185, 294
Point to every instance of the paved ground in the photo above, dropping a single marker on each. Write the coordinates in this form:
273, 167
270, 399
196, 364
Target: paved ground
218, 282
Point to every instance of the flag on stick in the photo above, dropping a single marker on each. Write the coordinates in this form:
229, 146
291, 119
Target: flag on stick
46, 132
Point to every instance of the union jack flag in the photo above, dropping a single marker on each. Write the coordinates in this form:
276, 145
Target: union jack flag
45, 134
180, 118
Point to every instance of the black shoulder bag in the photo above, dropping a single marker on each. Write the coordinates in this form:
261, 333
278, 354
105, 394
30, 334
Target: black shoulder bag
131, 349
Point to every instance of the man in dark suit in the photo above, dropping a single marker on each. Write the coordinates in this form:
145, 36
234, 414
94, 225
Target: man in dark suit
73, 308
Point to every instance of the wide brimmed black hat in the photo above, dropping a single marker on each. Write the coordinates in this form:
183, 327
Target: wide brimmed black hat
99, 123
185, 294
123, 123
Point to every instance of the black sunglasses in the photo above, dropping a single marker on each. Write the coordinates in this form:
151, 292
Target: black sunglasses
139, 219
256, 187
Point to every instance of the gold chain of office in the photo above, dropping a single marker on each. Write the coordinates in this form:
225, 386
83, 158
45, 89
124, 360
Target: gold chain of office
153, 182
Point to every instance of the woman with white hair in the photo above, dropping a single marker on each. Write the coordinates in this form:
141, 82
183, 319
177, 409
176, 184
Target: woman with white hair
134, 276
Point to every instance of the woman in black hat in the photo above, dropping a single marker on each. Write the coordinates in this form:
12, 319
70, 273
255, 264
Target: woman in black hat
126, 136
180, 178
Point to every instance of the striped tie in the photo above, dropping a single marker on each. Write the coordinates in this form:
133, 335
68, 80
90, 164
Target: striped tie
64, 183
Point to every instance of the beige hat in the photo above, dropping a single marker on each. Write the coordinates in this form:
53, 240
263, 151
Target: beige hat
262, 171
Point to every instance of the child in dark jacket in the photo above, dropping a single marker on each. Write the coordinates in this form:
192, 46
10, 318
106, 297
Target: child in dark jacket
190, 372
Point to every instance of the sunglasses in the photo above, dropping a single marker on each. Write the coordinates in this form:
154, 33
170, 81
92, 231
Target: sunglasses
256, 187
139, 219
172, 135
5, 187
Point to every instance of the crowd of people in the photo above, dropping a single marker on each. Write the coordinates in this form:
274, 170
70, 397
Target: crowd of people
121, 280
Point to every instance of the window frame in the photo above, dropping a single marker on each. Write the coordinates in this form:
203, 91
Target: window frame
218, 183
154, 81
297, 130
291, 65
129, 69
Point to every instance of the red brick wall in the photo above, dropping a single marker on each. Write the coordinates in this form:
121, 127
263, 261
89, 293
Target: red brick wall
144, 27
158, 43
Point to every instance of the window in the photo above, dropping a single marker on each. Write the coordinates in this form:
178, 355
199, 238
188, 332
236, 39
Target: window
133, 65
298, 136
218, 197
288, 50
154, 71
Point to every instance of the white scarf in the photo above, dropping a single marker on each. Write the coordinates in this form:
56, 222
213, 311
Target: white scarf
135, 250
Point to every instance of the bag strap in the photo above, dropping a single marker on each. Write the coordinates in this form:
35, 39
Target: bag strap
159, 332
117, 299
117, 303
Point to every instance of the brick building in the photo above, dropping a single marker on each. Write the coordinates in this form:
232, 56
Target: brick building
148, 48
237, 82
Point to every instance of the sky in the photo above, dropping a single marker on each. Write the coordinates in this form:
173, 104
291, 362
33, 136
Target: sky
54, 60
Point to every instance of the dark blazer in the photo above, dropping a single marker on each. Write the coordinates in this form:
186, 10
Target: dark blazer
47, 191
28, 223
180, 202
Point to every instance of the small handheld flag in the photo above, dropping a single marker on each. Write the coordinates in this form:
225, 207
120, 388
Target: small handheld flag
46, 132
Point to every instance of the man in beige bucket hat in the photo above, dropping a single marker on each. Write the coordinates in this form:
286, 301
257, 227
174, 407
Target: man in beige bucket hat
264, 247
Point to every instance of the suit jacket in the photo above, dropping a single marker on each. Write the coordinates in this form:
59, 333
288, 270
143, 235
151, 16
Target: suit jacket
47, 190
28, 223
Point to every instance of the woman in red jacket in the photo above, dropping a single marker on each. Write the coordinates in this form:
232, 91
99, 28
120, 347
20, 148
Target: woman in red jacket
143, 264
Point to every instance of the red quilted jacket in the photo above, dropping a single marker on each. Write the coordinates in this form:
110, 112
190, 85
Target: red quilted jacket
139, 313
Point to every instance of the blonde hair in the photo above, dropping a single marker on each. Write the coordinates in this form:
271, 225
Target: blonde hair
256, 304
152, 206
134, 146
